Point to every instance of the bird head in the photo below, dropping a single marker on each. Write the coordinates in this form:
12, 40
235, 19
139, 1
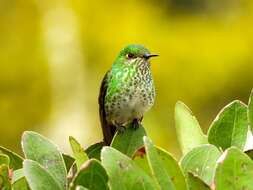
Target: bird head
134, 54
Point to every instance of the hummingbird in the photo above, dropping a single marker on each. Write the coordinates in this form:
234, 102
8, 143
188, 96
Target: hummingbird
127, 91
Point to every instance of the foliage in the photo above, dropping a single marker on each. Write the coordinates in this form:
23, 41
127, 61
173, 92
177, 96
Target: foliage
217, 161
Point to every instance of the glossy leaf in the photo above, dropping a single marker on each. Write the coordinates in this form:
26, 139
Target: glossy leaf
123, 173
230, 127
78, 152
235, 169
94, 151
15, 160
129, 141
201, 161
92, 175
39, 178
188, 129
41, 150
68, 160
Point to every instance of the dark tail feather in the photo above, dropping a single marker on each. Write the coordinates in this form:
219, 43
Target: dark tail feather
108, 132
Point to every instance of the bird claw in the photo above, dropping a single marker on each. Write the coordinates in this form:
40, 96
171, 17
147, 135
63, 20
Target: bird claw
121, 129
136, 124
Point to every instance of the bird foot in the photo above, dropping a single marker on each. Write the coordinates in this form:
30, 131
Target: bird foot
136, 124
121, 129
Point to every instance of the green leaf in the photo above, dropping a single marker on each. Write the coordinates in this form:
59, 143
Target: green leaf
235, 170
15, 160
249, 153
20, 184
201, 161
168, 162
94, 150
5, 183
41, 150
18, 180
17, 174
158, 170
4, 159
123, 173
39, 178
129, 141
142, 161
195, 183
172, 168
92, 176
68, 160
188, 130
230, 126
250, 111
78, 152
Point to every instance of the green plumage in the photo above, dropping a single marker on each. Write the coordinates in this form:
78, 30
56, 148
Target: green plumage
127, 90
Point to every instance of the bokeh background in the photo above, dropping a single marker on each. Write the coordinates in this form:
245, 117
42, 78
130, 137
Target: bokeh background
54, 53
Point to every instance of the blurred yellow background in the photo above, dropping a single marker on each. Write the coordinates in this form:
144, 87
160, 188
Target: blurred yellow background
54, 53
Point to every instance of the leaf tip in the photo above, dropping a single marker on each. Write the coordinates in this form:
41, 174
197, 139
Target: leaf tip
72, 140
179, 104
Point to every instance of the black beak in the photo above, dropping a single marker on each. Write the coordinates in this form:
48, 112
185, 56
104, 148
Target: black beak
147, 56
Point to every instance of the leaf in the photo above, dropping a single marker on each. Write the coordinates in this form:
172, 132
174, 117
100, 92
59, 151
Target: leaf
249, 153
230, 127
4, 159
39, 178
162, 173
142, 161
201, 161
5, 183
235, 169
15, 160
41, 150
94, 150
81, 188
250, 111
92, 175
78, 152
195, 183
128, 141
18, 180
123, 173
68, 160
20, 184
168, 163
172, 168
188, 130
17, 174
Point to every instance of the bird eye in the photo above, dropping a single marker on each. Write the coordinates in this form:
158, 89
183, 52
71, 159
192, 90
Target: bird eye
130, 55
